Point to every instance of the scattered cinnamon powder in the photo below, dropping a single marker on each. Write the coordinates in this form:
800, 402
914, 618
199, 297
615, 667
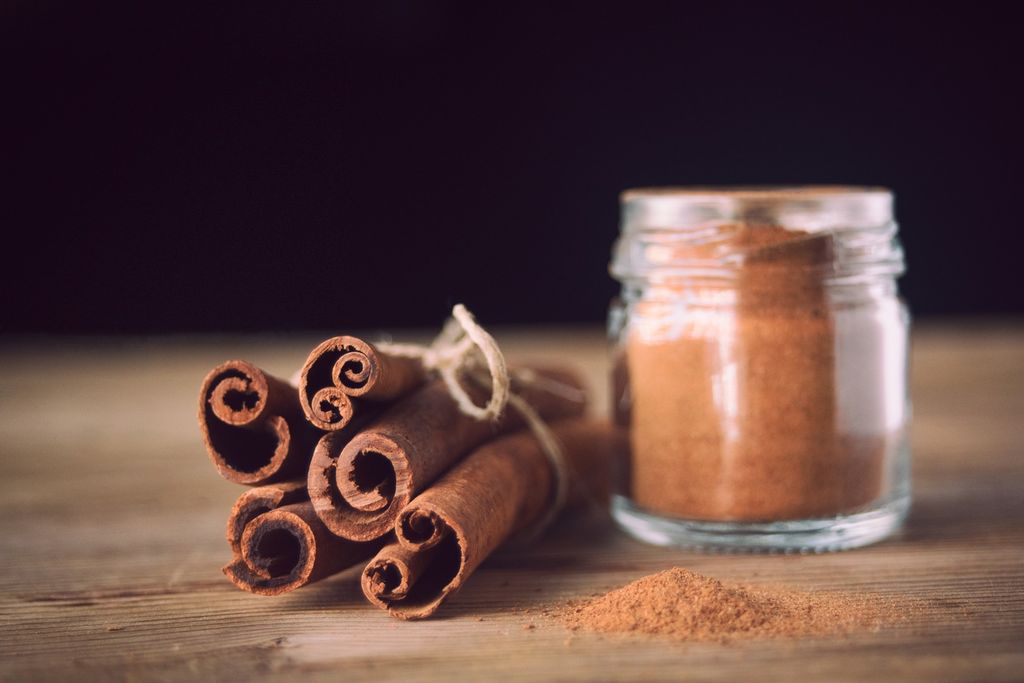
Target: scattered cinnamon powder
681, 604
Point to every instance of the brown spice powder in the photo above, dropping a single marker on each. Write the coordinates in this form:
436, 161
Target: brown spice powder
684, 605
733, 396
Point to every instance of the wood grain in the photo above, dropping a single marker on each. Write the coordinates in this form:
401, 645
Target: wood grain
112, 523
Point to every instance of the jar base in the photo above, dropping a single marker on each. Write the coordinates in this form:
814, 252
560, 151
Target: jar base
819, 535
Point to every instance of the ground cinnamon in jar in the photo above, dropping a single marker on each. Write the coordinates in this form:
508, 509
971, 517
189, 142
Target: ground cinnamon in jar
760, 368
734, 398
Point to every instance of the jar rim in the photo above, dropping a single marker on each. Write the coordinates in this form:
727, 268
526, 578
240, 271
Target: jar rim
661, 224
754, 192
810, 208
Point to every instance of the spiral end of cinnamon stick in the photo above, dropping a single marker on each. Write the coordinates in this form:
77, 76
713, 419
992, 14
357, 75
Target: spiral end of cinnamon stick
337, 370
357, 371
411, 583
420, 528
258, 501
358, 488
235, 392
247, 443
366, 479
385, 579
329, 409
278, 552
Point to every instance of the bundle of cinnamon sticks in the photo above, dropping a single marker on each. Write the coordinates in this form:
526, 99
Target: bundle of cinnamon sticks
370, 459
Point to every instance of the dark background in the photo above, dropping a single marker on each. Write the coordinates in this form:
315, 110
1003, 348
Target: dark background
271, 166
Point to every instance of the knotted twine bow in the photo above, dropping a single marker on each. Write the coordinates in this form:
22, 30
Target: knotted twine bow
457, 350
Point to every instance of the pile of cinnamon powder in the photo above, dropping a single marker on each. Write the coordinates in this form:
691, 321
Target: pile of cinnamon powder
684, 605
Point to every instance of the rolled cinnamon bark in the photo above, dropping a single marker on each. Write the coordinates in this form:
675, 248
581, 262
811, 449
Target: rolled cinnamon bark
359, 486
257, 501
502, 488
252, 425
393, 571
288, 547
343, 368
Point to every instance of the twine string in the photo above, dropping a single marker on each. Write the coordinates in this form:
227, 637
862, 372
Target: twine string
458, 349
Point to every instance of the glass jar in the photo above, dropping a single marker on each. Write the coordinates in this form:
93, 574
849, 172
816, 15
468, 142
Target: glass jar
760, 368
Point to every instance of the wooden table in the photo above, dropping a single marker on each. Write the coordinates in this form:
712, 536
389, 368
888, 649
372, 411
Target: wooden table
112, 524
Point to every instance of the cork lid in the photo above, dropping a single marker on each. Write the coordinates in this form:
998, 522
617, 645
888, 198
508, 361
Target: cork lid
803, 207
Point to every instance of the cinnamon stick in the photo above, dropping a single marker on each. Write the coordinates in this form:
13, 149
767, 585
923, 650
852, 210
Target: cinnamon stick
252, 425
289, 547
499, 490
257, 501
358, 487
344, 368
